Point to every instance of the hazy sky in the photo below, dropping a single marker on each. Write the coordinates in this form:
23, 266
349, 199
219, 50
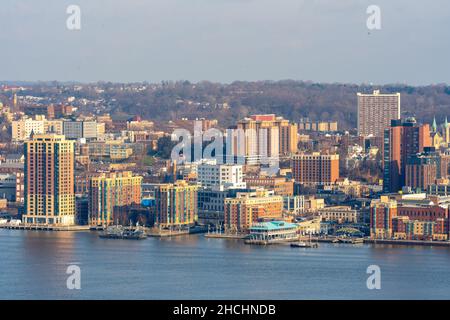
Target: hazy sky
226, 40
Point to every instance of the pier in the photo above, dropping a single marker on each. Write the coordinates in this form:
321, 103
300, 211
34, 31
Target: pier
35, 227
409, 242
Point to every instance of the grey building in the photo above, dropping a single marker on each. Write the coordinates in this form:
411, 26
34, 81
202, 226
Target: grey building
80, 129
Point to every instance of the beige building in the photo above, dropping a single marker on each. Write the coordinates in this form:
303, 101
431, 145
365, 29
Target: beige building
49, 180
267, 135
339, 214
22, 129
375, 112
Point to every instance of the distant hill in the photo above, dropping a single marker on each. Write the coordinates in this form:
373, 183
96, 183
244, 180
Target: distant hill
291, 99
230, 102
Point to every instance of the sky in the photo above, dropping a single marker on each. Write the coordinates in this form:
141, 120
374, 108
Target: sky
226, 40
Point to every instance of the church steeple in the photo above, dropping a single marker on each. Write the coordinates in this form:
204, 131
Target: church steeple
446, 123
434, 125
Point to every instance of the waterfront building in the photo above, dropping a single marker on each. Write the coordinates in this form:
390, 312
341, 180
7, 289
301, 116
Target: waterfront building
49, 180
211, 204
410, 217
310, 225
375, 112
422, 222
111, 194
176, 204
272, 232
315, 168
382, 211
402, 140
249, 207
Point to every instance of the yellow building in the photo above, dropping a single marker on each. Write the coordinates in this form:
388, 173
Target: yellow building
110, 194
49, 180
176, 204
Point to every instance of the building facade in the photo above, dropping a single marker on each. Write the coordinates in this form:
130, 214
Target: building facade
266, 136
315, 168
80, 129
340, 214
111, 194
280, 185
382, 211
375, 112
402, 140
247, 208
220, 176
176, 204
49, 180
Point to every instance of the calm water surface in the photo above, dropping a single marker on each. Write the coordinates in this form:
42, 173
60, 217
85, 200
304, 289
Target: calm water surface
33, 265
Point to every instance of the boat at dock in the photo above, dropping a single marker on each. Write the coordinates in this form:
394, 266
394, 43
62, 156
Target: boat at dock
302, 244
120, 232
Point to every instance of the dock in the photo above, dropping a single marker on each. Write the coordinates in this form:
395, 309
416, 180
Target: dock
162, 233
231, 236
44, 227
409, 242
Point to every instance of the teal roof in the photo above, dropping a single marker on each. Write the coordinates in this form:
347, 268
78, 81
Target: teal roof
272, 226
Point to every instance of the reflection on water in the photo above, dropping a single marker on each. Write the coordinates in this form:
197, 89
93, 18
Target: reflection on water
34, 266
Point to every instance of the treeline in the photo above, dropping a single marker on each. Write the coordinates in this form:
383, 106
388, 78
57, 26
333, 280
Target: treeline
230, 102
291, 99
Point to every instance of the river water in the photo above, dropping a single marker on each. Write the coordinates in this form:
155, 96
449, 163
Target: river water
33, 265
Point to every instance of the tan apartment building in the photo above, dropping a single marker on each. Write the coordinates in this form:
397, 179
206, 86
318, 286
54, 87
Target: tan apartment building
49, 180
267, 135
248, 207
315, 168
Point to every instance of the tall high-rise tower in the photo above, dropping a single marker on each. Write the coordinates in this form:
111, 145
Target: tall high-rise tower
49, 180
375, 112
402, 141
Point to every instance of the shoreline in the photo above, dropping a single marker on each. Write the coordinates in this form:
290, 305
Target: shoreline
421, 243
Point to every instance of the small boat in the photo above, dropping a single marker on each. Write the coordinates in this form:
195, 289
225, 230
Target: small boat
301, 244
304, 245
